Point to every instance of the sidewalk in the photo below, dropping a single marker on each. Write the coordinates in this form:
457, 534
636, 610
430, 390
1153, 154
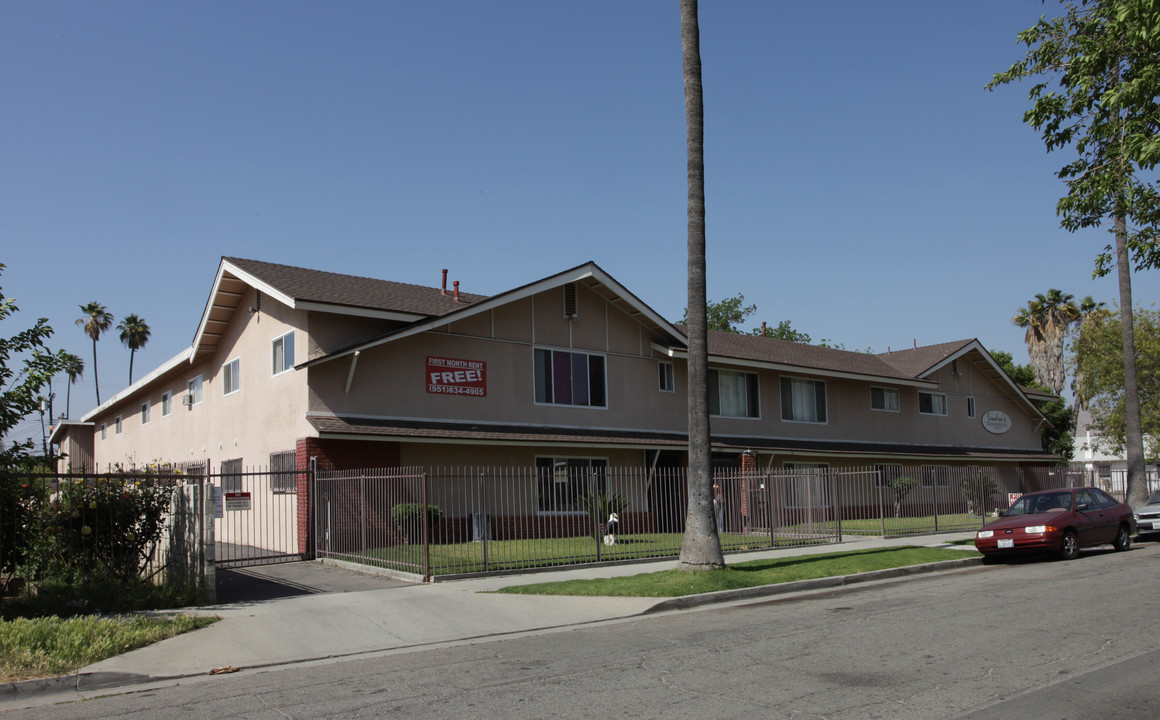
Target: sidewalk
340, 625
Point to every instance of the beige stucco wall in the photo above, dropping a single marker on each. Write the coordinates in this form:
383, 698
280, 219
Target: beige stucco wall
266, 415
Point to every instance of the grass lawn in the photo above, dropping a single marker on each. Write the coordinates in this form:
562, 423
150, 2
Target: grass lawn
452, 558
675, 583
46, 647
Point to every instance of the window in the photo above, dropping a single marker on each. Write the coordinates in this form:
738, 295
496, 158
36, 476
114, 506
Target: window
282, 353
803, 400
884, 399
231, 376
117, 425
283, 472
932, 403
936, 476
806, 485
561, 483
144, 413
887, 474
167, 403
104, 430
232, 475
970, 407
667, 380
569, 378
193, 388
733, 394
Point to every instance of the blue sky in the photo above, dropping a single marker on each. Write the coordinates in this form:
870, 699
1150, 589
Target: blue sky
860, 181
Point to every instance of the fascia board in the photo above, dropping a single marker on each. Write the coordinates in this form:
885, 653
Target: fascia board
314, 306
976, 345
163, 369
576, 274
217, 282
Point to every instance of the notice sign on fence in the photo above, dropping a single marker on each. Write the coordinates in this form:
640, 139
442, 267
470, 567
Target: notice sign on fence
237, 501
448, 376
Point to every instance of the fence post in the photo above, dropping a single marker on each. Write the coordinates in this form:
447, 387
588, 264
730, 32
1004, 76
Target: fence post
880, 481
596, 512
208, 509
426, 538
836, 486
486, 519
362, 512
768, 485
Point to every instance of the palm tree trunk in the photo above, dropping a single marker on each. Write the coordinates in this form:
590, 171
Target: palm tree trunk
1133, 432
132, 353
701, 547
96, 380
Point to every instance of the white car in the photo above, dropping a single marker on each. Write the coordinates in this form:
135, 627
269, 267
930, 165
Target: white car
1148, 518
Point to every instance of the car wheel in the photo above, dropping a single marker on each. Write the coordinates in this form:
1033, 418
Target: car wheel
1123, 539
1069, 548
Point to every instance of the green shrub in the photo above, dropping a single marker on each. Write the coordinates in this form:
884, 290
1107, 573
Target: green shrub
599, 506
979, 491
409, 518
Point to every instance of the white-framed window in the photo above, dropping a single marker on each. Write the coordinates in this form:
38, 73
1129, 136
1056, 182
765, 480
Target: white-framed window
282, 353
167, 403
887, 473
563, 483
145, 412
970, 407
232, 475
193, 388
104, 430
118, 425
806, 485
283, 472
563, 377
932, 403
885, 399
733, 394
937, 476
803, 400
667, 381
232, 376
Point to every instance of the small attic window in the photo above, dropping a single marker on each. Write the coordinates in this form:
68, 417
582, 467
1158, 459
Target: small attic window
570, 301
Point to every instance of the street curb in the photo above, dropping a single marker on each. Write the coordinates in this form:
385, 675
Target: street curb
81, 682
724, 596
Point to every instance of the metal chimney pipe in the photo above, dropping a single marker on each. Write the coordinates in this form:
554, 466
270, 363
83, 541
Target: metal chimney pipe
456, 291
444, 290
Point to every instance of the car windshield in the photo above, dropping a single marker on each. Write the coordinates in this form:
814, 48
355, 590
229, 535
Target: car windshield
1155, 498
1041, 503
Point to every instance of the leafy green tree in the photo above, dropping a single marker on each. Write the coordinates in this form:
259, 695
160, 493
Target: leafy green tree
1098, 355
1097, 68
134, 334
96, 320
725, 315
902, 486
1047, 319
22, 387
701, 547
783, 331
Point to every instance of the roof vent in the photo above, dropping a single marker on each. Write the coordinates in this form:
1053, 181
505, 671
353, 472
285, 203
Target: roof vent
570, 311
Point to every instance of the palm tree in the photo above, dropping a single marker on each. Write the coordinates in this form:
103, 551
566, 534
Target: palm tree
96, 320
134, 333
701, 547
74, 367
1087, 307
1047, 319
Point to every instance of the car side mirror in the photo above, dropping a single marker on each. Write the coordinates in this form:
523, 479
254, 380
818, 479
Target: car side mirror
1082, 507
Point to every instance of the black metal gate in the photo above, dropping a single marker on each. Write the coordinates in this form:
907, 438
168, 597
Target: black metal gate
256, 516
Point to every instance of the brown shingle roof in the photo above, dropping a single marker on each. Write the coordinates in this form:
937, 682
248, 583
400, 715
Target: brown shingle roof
919, 360
807, 357
353, 291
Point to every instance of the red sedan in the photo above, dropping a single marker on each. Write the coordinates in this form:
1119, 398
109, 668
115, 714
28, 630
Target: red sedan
1059, 521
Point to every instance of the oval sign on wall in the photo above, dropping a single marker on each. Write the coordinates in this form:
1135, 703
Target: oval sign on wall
996, 421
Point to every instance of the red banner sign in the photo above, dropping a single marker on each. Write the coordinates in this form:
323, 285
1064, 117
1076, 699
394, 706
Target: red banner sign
448, 376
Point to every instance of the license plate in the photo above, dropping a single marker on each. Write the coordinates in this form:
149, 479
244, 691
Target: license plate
1006, 544
1156, 525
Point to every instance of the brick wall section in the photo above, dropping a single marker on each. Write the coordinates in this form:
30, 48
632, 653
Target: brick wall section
334, 455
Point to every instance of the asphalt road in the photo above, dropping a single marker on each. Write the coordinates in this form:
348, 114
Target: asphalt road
1030, 640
